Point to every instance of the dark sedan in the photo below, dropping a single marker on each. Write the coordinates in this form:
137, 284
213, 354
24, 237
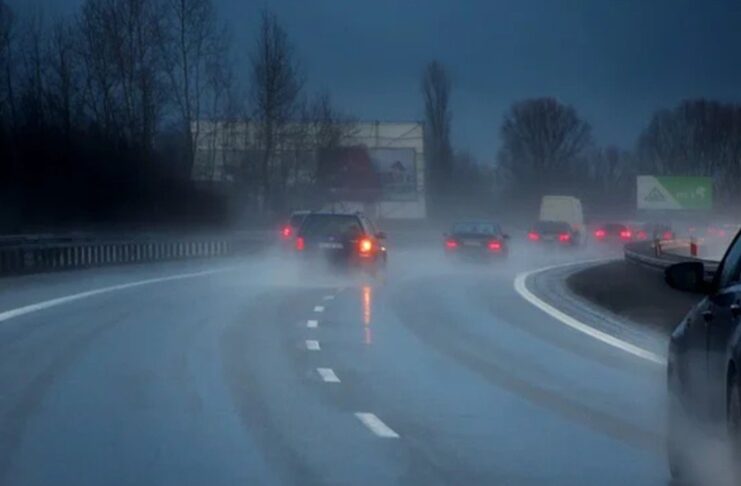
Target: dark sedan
556, 233
476, 240
704, 365
348, 240
613, 233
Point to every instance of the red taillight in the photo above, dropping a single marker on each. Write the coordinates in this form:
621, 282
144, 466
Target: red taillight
668, 235
626, 234
286, 232
533, 236
300, 244
564, 237
495, 245
451, 244
365, 246
600, 233
641, 235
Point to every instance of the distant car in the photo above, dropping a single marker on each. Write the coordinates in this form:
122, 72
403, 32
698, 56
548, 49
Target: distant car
613, 233
567, 209
556, 233
713, 231
288, 231
704, 363
653, 231
348, 240
476, 240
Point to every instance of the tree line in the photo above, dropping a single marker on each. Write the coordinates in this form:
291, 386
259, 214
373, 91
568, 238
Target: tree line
100, 111
546, 147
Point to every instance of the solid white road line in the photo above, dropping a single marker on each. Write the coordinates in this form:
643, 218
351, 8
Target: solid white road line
319, 308
10, 314
521, 288
376, 425
311, 323
328, 297
328, 375
312, 345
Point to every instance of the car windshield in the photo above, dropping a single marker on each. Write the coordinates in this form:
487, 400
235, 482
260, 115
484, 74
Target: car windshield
551, 227
474, 228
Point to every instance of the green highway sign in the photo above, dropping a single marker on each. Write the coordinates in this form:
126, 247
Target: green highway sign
659, 192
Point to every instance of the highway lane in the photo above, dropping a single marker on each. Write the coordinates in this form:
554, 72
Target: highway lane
256, 374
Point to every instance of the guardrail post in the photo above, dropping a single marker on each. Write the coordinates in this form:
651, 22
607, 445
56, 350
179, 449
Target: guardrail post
693, 246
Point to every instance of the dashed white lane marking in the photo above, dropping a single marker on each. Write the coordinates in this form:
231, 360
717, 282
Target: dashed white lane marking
573, 323
311, 323
319, 308
312, 345
10, 314
376, 426
328, 375
328, 297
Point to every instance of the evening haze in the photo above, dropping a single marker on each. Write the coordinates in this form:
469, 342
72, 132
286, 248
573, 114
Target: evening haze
615, 61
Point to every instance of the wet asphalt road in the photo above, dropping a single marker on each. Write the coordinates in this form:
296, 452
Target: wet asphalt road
249, 371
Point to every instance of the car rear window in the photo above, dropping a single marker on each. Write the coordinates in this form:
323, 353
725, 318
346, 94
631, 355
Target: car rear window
296, 220
331, 225
614, 228
551, 226
473, 228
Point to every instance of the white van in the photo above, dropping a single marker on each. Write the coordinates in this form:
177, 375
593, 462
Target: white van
563, 208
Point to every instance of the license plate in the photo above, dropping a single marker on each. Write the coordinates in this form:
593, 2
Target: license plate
471, 243
331, 246
549, 238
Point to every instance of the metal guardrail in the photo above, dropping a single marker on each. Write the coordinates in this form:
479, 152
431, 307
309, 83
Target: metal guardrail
33, 254
646, 253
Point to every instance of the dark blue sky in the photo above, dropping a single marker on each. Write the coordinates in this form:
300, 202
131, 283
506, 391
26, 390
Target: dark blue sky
616, 61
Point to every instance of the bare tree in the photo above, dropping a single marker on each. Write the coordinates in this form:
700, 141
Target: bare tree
195, 49
276, 86
542, 140
64, 90
436, 92
124, 65
33, 70
7, 95
698, 137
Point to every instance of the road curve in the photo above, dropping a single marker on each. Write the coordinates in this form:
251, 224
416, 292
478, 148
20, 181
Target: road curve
251, 371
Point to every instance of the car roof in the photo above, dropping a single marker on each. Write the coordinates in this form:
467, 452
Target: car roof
494, 225
335, 213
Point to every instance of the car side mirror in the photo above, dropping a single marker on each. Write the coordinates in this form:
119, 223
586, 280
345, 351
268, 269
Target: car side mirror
381, 235
688, 277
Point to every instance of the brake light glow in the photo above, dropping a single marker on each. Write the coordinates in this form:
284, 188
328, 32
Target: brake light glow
286, 232
626, 234
600, 233
300, 244
495, 245
533, 236
641, 235
451, 244
668, 235
365, 246
564, 237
